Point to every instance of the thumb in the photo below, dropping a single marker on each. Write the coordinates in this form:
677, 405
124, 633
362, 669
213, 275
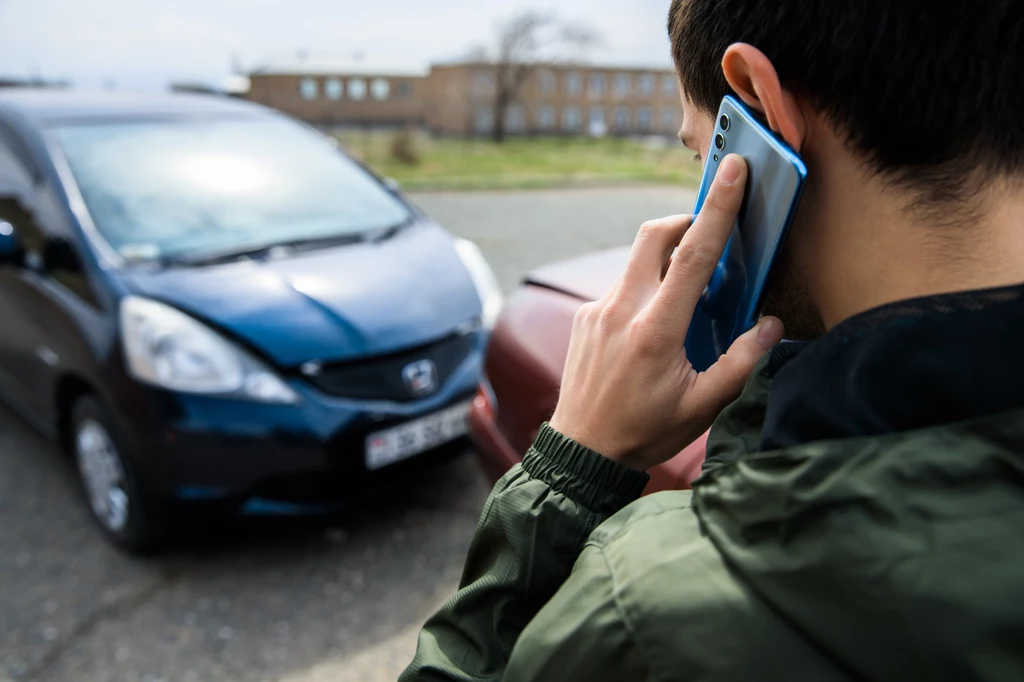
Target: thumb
723, 382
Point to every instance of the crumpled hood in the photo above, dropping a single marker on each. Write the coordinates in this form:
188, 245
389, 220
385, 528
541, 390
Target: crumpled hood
895, 557
330, 304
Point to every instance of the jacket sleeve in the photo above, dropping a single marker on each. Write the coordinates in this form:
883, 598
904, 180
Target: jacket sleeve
531, 532
581, 635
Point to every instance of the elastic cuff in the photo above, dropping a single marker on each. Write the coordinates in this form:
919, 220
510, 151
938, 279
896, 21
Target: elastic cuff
581, 474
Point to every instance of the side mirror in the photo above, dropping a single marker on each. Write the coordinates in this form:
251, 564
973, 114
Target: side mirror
13, 213
10, 249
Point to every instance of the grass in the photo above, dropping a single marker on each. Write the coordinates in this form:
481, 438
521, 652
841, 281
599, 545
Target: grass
468, 164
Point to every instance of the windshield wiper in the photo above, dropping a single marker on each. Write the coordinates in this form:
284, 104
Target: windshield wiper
389, 232
261, 251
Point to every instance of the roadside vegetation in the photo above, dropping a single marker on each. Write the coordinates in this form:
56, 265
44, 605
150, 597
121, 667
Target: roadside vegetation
419, 162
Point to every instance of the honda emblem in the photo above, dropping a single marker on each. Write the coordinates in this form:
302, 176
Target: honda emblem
420, 378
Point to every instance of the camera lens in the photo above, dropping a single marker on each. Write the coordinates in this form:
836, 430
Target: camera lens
720, 141
724, 122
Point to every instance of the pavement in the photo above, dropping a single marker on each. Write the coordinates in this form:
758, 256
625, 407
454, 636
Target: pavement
337, 598
519, 231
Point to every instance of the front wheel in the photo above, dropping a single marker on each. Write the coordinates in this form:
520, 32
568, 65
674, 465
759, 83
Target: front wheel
133, 521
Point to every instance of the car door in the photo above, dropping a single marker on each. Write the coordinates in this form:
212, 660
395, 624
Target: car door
17, 186
41, 290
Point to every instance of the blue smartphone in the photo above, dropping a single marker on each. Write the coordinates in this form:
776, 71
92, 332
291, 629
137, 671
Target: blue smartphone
776, 175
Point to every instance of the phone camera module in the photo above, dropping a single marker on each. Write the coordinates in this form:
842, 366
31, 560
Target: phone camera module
723, 122
720, 141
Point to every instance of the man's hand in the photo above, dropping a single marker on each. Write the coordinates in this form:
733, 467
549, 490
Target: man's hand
628, 390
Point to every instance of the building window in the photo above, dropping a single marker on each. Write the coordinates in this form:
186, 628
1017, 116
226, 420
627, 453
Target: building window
357, 88
597, 127
483, 83
548, 82
623, 84
646, 85
380, 88
643, 118
573, 84
515, 119
546, 118
483, 120
405, 89
571, 119
669, 85
622, 119
596, 85
332, 88
308, 88
668, 118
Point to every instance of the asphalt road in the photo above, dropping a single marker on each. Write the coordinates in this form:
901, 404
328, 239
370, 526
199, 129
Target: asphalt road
519, 231
334, 599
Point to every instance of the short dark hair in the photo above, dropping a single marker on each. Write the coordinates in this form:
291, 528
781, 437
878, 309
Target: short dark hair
930, 93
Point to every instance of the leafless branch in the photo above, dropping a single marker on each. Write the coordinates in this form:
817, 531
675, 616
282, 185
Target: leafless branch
525, 42
477, 53
580, 35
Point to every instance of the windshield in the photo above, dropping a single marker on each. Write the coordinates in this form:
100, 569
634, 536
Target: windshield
172, 188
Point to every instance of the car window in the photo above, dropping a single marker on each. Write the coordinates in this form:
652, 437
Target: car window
16, 169
35, 213
177, 188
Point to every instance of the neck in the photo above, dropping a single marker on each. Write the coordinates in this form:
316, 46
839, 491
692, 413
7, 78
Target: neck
872, 250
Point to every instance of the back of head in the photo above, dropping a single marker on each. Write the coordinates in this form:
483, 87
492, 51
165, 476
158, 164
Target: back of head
928, 94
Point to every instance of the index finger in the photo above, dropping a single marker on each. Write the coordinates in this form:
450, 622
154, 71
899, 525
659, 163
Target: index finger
701, 247
652, 247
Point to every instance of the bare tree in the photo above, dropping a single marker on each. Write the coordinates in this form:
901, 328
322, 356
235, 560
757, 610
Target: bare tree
525, 43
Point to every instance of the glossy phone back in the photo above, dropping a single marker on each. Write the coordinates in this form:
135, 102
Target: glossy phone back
775, 179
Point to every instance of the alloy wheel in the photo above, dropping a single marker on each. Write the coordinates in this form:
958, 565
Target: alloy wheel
102, 474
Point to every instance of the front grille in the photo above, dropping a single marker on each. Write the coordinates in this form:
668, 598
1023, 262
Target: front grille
380, 377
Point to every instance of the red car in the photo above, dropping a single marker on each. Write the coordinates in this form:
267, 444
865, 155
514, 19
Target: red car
525, 359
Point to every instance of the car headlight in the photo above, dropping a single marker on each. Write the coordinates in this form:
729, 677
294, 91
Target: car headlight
167, 348
483, 278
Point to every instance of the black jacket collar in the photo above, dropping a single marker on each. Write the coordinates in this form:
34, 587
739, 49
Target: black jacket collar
907, 365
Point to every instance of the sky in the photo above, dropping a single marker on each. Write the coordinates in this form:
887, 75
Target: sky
146, 44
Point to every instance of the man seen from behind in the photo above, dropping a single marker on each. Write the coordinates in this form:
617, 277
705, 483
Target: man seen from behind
860, 515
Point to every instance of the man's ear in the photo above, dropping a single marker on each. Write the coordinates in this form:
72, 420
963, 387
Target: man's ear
752, 76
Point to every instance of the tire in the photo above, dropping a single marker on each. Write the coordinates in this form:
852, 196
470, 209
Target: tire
131, 518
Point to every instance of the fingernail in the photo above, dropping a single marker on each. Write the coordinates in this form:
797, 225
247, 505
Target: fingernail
769, 333
729, 170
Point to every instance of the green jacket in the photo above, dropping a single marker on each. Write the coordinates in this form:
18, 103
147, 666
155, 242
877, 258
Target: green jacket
892, 558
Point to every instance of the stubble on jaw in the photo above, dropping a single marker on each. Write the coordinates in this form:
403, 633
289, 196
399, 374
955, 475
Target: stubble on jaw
789, 298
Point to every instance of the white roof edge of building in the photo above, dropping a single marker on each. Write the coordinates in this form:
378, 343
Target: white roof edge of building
326, 71
314, 66
593, 66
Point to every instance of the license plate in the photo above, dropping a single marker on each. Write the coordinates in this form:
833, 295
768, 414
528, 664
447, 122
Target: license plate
401, 442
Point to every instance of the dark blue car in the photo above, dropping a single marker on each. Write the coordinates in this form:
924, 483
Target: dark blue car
210, 303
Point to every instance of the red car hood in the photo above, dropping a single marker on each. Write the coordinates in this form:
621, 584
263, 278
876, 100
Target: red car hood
587, 277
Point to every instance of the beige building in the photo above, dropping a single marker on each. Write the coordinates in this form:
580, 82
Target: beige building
458, 99
557, 100
332, 93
